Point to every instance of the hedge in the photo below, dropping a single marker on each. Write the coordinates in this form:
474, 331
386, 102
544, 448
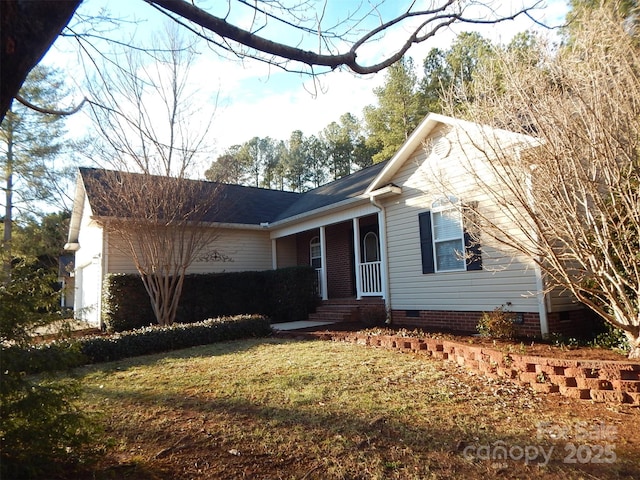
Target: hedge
97, 349
286, 294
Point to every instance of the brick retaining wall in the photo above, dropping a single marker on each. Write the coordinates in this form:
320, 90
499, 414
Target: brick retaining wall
601, 381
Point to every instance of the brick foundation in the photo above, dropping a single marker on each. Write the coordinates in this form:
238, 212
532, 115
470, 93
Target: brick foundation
458, 322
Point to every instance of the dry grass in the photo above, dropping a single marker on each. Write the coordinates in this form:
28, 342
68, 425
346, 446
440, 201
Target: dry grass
278, 409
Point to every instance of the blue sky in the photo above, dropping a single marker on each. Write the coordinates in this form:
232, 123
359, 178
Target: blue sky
257, 100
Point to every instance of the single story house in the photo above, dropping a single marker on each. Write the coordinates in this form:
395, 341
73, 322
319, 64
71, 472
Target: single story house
388, 231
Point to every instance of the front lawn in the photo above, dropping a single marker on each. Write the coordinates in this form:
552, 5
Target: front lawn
281, 409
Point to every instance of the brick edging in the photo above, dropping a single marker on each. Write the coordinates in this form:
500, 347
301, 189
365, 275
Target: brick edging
598, 380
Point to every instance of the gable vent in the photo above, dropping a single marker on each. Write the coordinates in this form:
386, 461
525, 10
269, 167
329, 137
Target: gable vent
440, 146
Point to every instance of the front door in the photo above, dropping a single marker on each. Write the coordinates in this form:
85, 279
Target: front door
370, 268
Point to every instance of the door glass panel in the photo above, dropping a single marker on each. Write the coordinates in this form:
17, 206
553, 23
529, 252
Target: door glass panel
371, 248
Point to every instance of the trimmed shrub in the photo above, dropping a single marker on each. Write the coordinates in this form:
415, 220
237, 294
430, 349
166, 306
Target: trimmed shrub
126, 304
96, 349
160, 339
283, 295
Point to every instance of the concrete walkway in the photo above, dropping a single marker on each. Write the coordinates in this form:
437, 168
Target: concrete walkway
286, 326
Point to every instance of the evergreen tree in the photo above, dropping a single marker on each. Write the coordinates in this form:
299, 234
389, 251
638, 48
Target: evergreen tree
447, 72
229, 167
317, 152
31, 144
269, 162
339, 148
296, 162
400, 109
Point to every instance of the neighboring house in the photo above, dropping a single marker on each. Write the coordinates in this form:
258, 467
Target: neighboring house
66, 280
387, 231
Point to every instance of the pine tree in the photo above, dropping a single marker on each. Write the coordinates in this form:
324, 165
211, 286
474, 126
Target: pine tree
31, 144
400, 109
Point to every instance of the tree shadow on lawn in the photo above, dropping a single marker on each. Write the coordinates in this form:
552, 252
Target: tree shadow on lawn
236, 435
227, 347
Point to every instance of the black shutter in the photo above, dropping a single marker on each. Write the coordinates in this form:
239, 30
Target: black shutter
426, 242
472, 237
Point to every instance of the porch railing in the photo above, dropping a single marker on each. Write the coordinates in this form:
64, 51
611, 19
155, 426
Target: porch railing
371, 278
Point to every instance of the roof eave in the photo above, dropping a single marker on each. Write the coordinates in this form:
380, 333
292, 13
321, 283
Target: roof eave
76, 211
320, 211
386, 191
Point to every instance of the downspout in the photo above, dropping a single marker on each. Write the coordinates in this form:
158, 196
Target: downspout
104, 267
542, 303
540, 295
383, 252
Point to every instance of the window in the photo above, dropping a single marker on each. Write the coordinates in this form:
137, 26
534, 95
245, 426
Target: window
315, 252
371, 248
445, 243
448, 236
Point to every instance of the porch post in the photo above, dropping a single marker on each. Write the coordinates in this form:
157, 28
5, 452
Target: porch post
357, 256
382, 229
274, 253
323, 263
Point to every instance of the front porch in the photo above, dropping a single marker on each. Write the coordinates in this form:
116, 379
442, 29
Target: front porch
347, 312
348, 257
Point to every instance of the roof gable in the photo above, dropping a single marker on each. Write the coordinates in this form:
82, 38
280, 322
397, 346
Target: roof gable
421, 132
482, 133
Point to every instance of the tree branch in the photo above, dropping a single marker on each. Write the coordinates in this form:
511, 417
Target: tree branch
49, 111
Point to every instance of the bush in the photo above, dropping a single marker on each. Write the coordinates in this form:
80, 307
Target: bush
160, 339
96, 349
499, 323
612, 338
283, 295
40, 425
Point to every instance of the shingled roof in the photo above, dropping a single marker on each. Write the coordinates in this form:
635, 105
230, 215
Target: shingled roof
337, 191
238, 204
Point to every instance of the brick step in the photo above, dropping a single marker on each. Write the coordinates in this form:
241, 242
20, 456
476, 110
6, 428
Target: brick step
344, 309
343, 314
330, 316
353, 302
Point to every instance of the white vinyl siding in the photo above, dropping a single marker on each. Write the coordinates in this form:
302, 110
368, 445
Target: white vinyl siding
502, 279
287, 253
88, 269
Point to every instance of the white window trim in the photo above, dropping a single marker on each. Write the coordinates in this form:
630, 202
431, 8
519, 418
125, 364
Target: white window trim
440, 205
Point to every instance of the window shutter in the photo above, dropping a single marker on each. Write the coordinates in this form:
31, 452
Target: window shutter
426, 243
472, 237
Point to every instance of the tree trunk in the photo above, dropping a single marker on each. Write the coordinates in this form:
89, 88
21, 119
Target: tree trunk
634, 343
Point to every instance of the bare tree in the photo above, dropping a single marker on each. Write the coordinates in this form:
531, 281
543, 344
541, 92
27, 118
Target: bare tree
161, 223
157, 216
570, 195
27, 33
